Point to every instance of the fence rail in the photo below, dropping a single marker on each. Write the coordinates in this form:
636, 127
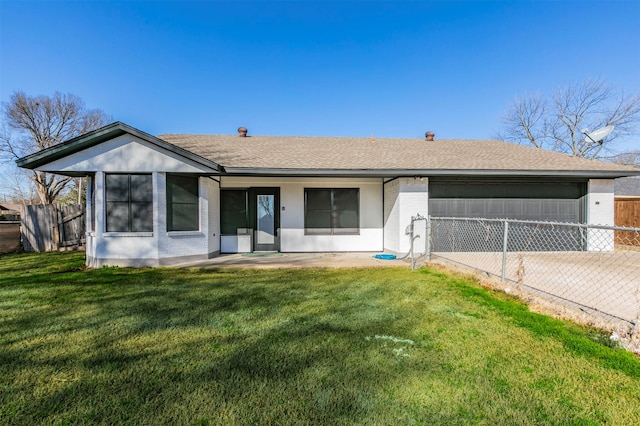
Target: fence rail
593, 268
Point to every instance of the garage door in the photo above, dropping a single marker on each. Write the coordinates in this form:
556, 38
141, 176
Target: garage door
539, 200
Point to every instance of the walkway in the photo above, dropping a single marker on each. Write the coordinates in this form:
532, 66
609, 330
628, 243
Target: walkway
297, 260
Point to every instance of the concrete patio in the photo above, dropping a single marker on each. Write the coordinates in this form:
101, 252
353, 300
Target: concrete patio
296, 260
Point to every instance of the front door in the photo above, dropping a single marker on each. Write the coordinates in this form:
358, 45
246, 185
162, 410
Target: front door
266, 210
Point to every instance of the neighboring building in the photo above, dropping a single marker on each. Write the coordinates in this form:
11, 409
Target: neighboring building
176, 198
627, 187
9, 212
627, 203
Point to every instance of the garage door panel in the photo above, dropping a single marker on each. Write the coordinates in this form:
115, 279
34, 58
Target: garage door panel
513, 208
475, 207
495, 208
542, 201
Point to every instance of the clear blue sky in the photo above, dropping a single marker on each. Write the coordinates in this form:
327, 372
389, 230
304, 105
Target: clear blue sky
314, 68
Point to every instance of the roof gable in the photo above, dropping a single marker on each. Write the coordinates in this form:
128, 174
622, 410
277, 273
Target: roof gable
45, 159
123, 154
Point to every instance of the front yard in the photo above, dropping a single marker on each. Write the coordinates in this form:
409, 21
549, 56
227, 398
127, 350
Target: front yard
340, 346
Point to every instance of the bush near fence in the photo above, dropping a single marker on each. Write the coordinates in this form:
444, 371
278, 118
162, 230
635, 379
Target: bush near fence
584, 267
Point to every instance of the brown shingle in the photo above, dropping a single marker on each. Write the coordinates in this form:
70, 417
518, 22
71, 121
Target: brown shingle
335, 153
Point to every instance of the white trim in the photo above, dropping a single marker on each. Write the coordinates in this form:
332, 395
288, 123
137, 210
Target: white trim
178, 234
127, 234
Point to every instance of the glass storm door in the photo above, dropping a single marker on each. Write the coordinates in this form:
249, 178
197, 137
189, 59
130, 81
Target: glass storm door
267, 214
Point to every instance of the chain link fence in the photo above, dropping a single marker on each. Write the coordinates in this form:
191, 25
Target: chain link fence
591, 269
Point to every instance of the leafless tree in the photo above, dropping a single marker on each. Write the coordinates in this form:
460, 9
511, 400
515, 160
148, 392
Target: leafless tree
40, 122
556, 122
630, 158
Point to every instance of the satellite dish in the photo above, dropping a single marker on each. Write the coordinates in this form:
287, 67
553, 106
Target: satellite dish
597, 135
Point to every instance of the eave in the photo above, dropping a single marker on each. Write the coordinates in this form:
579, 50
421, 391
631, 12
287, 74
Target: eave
277, 172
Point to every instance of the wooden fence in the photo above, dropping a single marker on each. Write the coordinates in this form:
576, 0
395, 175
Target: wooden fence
51, 227
627, 213
9, 236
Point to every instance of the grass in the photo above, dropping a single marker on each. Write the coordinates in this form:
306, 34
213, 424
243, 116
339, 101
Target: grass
351, 346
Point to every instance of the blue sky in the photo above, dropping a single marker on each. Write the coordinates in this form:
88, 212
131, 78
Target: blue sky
315, 68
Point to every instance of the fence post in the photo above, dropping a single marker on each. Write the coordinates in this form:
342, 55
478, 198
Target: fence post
427, 243
56, 227
504, 250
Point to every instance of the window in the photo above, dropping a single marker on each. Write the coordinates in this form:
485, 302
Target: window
331, 211
129, 203
234, 219
183, 212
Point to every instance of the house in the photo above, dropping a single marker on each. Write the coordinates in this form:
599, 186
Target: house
176, 198
627, 187
9, 211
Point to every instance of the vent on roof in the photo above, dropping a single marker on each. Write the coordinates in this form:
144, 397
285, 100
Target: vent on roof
242, 132
429, 136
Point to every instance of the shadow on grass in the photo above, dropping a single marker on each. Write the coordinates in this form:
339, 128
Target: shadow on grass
250, 347
255, 343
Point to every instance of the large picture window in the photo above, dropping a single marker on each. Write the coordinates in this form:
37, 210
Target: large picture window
129, 203
183, 212
234, 212
331, 211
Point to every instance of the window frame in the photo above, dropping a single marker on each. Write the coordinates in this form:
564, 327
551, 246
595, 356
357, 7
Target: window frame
91, 186
129, 203
332, 211
247, 220
170, 203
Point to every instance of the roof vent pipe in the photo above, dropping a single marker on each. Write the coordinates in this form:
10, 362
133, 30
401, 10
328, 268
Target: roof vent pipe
242, 132
429, 136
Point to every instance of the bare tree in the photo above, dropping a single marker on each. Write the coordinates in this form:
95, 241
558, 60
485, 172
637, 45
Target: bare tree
41, 122
630, 158
556, 122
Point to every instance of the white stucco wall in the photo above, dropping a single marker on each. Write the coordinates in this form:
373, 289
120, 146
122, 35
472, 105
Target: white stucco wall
211, 189
600, 211
236, 244
292, 236
392, 215
405, 198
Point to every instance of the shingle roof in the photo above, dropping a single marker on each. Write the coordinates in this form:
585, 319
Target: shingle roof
335, 156
348, 153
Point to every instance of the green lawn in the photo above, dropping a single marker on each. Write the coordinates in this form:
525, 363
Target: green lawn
351, 346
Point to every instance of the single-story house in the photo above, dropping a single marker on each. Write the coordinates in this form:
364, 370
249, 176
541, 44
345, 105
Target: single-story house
9, 211
181, 197
627, 187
